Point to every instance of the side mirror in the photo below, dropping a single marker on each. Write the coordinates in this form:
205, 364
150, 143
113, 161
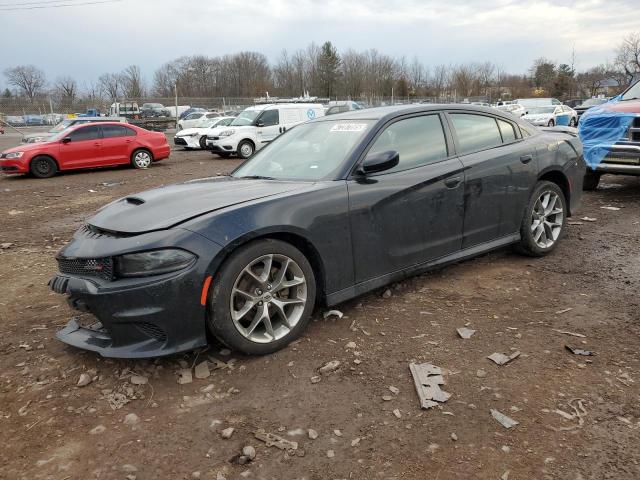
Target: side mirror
259, 123
379, 162
66, 139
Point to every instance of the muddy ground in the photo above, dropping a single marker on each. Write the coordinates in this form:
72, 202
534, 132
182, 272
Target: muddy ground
579, 417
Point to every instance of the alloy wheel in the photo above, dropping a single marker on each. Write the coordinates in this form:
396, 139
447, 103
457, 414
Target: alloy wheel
268, 298
142, 159
246, 150
547, 219
43, 167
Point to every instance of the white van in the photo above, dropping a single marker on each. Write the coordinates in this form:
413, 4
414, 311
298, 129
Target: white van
258, 125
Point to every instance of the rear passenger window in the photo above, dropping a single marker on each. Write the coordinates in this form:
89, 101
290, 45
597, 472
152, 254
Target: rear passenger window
111, 131
507, 131
475, 132
418, 140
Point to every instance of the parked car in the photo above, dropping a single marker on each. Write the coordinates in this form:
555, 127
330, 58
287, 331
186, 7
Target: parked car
87, 146
191, 110
587, 104
537, 102
258, 125
552, 115
573, 102
512, 108
197, 137
34, 120
342, 106
63, 125
196, 119
611, 136
330, 210
154, 110
15, 120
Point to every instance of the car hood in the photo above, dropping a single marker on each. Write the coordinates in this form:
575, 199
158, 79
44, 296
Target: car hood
537, 116
623, 106
26, 147
165, 207
189, 131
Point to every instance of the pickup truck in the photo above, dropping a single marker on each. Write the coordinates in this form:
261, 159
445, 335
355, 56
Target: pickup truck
610, 134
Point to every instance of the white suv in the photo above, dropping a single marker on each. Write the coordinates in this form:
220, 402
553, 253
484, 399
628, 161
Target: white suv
256, 126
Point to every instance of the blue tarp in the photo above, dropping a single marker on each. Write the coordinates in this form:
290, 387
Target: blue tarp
599, 128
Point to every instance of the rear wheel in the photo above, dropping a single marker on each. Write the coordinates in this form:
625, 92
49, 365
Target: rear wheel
203, 142
263, 297
573, 122
543, 221
141, 159
43, 167
245, 149
551, 123
591, 180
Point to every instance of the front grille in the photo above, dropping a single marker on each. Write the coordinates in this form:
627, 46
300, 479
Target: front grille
152, 331
634, 131
87, 267
212, 138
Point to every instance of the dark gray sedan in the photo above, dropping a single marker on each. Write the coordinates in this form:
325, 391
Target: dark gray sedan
328, 211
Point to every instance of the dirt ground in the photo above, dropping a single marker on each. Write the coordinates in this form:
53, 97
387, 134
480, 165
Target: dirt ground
579, 416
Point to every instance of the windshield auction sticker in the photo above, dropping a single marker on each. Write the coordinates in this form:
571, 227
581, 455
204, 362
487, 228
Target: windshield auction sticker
348, 127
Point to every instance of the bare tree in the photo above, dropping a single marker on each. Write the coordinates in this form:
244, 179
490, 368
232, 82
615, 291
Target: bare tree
66, 88
27, 78
132, 84
628, 56
111, 85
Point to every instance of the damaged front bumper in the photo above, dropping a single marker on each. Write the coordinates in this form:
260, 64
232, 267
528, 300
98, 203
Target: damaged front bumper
135, 317
623, 158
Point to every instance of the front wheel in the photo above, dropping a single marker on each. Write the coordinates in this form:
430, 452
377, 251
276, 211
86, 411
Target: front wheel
245, 149
573, 122
263, 297
543, 221
551, 123
591, 180
43, 167
203, 142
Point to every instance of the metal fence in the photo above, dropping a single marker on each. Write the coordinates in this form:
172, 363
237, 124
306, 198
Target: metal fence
48, 110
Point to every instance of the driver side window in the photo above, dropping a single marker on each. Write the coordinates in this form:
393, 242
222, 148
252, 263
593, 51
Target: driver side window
418, 141
269, 118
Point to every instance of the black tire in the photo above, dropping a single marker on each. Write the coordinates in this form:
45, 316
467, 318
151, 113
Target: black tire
43, 167
223, 154
551, 123
528, 245
219, 319
591, 180
573, 122
137, 158
246, 149
203, 142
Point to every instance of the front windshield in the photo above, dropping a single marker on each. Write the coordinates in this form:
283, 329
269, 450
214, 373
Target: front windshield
311, 151
633, 93
593, 101
245, 118
539, 110
61, 126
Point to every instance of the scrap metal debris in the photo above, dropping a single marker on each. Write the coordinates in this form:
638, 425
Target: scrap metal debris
465, 332
559, 312
272, 440
579, 412
505, 421
579, 351
428, 378
335, 313
502, 359
589, 219
573, 334
615, 209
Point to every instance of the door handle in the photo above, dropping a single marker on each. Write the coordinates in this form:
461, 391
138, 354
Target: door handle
452, 182
526, 158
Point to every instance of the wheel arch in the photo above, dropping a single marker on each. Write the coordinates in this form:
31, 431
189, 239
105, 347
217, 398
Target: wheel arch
48, 155
287, 235
559, 178
146, 148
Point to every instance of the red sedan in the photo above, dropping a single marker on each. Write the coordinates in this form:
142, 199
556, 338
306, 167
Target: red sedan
87, 146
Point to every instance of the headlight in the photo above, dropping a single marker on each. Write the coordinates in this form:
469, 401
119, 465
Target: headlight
13, 155
154, 262
227, 133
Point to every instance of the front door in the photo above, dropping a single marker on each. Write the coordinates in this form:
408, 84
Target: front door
83, 148
268, 124
412, 213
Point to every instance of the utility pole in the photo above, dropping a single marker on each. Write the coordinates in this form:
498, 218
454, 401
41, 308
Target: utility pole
175, 89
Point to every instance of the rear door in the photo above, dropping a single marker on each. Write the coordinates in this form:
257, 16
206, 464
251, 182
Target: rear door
500, 169
84, 148
412, 213
117, 142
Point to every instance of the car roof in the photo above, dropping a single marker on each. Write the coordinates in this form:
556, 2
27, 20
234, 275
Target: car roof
385, 113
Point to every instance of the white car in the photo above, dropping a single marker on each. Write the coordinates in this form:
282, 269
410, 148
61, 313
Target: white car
256, 126
552, 115
197, 137
513, 108
196, 119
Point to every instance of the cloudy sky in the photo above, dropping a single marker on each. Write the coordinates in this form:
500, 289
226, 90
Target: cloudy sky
87, 40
